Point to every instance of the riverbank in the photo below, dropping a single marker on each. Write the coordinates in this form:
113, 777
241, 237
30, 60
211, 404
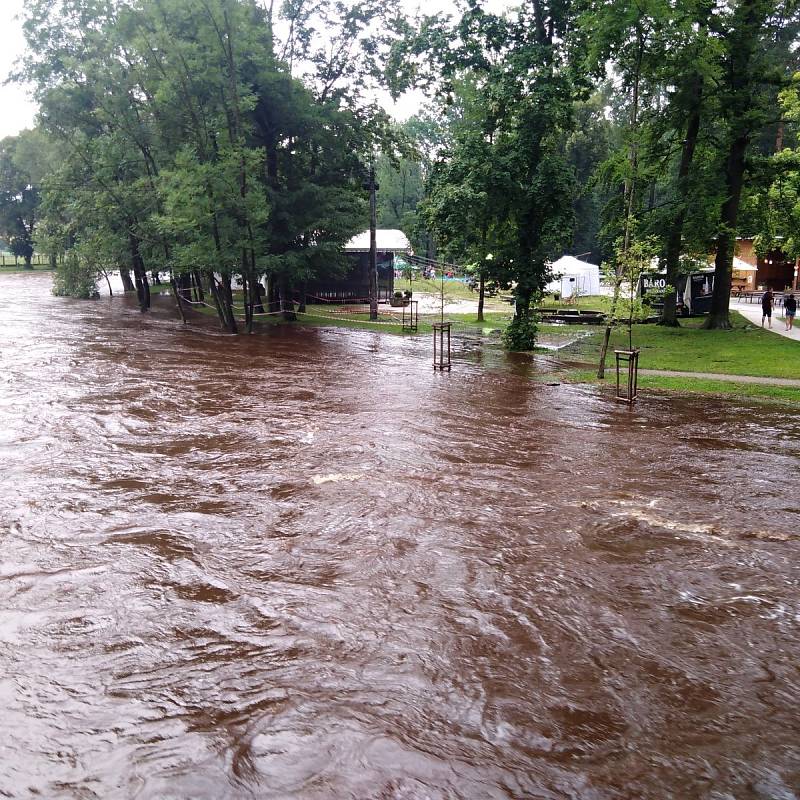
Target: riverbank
20, 268
746, 350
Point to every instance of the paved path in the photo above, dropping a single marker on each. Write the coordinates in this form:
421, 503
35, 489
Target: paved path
752, 313
714, 376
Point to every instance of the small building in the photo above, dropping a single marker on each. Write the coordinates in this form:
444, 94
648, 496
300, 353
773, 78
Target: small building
353, 287
752, 272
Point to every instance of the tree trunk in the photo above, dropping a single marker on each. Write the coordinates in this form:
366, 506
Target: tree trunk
127, 284
481, 295
286, 302
248, 317
184, 284
669, 315
719, 317
140, 274
302, 305
259, 307
178, 298
200, 295
218, 302
522, 306
273, 299
227, 295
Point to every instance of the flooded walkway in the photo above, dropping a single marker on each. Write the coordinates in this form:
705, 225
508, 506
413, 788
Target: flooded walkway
302, 565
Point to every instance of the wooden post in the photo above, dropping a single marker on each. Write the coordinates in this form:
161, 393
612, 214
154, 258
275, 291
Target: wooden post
410, 319
627, 361
373, 254
441, 346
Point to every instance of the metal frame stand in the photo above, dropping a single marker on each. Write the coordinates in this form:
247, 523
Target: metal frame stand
411, 319
627, 361
441, 346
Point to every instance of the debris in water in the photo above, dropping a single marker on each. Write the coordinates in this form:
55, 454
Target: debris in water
334, 477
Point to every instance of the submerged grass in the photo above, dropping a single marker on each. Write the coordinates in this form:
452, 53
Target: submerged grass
744, 350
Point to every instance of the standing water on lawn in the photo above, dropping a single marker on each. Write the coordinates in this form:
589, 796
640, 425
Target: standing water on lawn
303, 565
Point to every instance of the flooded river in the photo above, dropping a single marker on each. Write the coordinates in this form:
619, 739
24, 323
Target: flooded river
302, 565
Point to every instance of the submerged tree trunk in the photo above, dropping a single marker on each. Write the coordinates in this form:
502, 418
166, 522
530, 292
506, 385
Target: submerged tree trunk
222, 303
226, 291
197, 281
248, 317
127, 284
184, 283
273, 300
286, 302
719, 317
259, 306
177, 296
217, 302
140, 274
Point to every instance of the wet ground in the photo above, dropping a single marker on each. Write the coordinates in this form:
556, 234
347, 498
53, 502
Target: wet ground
302, 565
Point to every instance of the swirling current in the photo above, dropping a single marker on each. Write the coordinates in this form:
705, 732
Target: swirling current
302, 565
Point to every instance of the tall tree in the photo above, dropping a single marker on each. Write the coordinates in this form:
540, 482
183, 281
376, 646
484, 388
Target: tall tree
20, 182
757, 52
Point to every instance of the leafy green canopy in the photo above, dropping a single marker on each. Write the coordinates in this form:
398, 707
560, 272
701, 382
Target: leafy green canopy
186, 144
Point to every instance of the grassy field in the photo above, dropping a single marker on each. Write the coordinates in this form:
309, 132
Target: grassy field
745, 350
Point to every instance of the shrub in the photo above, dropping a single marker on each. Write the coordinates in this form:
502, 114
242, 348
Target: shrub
520, 335
74, 277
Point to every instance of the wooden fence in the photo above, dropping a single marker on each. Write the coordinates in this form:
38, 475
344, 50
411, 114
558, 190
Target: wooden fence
38, 260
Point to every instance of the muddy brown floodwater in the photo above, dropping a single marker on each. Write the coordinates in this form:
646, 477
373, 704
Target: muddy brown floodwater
302, 565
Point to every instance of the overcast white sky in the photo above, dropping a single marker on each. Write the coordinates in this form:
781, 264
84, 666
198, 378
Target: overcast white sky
17, 111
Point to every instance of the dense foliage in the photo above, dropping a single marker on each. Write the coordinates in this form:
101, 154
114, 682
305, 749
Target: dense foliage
206, 140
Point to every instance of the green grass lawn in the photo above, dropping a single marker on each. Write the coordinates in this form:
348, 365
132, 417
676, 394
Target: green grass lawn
745, 350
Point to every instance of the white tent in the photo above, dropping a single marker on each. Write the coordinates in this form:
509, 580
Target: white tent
574, 278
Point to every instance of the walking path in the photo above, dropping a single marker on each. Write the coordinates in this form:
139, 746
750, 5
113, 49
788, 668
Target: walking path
714, 376
752, 313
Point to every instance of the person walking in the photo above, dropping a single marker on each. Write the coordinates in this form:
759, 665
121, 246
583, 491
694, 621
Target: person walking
790, 309
766, 307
